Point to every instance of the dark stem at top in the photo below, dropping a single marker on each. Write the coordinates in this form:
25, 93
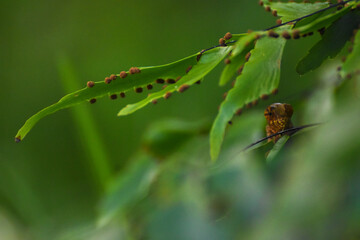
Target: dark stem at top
282, 24
309, 15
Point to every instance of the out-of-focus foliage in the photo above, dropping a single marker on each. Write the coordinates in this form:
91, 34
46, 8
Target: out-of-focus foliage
151, 177
300, 193
331, 43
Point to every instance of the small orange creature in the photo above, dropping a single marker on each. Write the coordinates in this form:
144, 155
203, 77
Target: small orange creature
278, 117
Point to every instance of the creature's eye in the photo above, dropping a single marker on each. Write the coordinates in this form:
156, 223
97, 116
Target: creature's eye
268, 114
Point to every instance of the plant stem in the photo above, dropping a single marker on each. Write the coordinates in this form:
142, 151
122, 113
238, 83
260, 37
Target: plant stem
94, 147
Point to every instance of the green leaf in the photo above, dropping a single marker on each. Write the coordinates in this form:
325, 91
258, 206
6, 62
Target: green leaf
243, 42
208, 61
260, 76
352, 63
331, 44
147, 76
238, 52
292, 10
236, 61
277, 148
128, 188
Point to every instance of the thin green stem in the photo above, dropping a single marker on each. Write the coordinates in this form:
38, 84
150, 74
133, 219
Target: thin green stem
93, 146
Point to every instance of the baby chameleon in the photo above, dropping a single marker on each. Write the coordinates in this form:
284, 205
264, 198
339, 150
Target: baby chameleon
278, 117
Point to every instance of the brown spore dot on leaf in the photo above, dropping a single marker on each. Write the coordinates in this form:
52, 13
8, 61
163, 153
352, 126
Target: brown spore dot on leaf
278, 21
255, 102
227, 61
17, 139
149, 86
112, 76
272, 33
228, 36
134, 70
230, 122
138, 90
268, 8
183, 88
113, 96
296, 34
239, 112
170, 81
248, 55
198, 82
199, 56
188, 69
264, 97
322, 31
225, 95
275, 91
167, 95
93, 100
274, 13
123, 74
90, 84
122, 95
154, 101
241, 68
160, 81
261, 3
107, 80
339, 68
286, 35
249, 105
222, 41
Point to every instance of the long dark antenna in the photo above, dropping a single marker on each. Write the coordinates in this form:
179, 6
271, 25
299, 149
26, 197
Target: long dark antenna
290, 130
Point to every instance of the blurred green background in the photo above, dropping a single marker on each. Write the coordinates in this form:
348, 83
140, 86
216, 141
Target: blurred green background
47, 182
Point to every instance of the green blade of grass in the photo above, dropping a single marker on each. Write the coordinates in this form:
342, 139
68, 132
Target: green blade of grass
87, 130
277, 148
